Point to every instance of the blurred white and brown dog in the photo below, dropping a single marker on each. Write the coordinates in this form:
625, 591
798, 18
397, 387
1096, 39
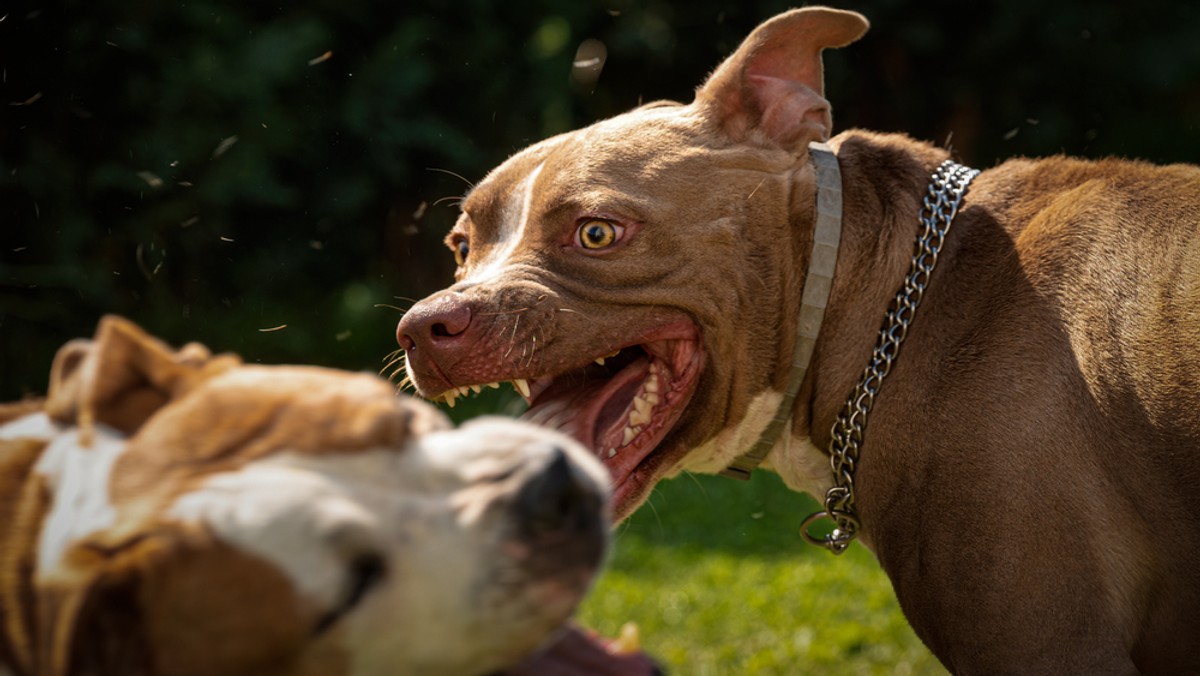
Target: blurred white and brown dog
176, 512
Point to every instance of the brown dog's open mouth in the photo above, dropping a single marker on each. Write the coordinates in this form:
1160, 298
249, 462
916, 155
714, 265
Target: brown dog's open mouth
622, 401
622, 404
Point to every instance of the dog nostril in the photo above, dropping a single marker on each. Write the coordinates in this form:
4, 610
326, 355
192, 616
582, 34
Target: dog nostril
406, 342
440, 331
556, 499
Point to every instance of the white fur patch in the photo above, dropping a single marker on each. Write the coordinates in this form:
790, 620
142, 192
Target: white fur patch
78, 480
512, 231
802, 465
33, 426
286, 515
719, 452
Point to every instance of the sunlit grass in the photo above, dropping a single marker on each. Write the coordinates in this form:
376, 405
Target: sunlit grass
716, 577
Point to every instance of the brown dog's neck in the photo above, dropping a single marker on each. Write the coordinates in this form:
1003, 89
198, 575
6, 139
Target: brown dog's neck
884, 179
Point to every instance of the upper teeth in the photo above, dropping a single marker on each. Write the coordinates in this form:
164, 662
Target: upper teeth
600, 360
455, 392
522, 386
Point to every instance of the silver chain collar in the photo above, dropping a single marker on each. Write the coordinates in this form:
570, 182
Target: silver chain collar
946, 189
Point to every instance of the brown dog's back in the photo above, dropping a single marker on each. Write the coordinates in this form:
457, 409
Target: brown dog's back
1053, 453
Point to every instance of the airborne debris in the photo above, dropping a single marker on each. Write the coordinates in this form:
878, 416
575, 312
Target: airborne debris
320, 59
151, 179
27, 102
226, 239
273, 328
224, 146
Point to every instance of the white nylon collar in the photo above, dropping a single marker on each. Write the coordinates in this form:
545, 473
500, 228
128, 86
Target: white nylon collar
827, 235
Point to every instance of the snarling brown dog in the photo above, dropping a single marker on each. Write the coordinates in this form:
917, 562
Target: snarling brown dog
170, 512
1030, 475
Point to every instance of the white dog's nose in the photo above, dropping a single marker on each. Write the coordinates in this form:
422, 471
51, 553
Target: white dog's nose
561, 499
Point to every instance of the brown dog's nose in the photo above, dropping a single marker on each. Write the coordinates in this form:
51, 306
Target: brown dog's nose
432, 324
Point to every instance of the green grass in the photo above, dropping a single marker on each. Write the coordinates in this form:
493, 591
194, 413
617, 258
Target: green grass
714, 573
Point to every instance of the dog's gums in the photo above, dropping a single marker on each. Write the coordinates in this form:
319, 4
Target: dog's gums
621, 403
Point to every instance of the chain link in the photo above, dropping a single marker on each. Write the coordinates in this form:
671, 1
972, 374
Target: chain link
946, 189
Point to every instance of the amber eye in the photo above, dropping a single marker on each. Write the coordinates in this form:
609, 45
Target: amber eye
597, 234
461, 250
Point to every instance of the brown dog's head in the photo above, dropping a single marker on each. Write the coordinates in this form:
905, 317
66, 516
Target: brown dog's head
631, 277
190, 514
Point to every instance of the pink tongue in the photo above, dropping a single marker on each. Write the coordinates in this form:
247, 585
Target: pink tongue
588, 411
580, 652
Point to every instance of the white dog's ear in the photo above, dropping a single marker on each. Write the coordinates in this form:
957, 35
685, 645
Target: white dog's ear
773, 86
123, 375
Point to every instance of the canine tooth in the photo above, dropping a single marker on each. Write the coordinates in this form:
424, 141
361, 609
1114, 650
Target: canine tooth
630, 434
600, 360
450, 396
613, 354
612, 452
522, 386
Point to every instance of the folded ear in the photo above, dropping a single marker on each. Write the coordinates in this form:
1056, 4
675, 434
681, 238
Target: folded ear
772, 89
123, 375
89, 616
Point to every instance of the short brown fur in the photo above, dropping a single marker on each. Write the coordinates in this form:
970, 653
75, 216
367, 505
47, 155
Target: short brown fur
1028, 476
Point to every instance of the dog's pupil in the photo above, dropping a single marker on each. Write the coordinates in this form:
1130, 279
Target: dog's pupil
596, 234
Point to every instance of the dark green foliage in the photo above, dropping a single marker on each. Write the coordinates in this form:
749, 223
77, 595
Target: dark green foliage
195, 165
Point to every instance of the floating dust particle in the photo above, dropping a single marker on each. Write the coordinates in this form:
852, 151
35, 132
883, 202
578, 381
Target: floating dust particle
273, 328
151, 179
226, 239
321, 59
27, 102
224, 146
343, 335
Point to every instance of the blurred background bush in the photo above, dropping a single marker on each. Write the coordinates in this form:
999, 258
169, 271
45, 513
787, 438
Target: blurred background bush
212, 169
